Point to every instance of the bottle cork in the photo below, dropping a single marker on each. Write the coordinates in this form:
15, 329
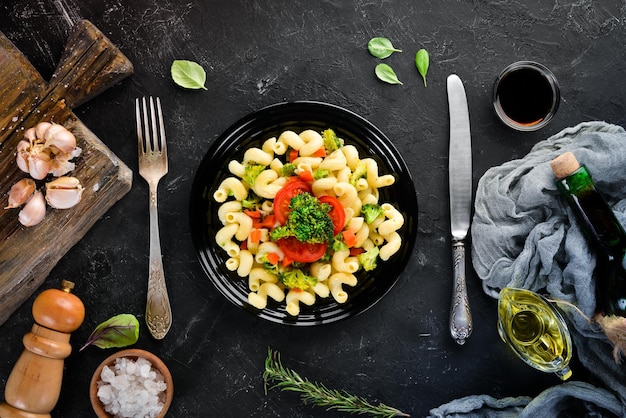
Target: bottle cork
564, 165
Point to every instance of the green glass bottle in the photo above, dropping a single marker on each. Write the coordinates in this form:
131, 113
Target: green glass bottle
602, 229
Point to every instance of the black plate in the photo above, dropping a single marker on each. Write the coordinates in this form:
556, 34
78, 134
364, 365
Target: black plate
251, 131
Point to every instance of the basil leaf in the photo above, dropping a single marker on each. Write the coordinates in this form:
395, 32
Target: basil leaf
421, 62
386, 74
381, 47
118, 331
188, 74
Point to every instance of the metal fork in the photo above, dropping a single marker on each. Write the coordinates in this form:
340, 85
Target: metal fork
152, 167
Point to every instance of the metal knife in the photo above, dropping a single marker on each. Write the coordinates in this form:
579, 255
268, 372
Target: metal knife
460, 179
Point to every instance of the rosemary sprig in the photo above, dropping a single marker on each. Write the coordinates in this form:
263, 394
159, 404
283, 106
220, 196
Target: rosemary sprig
318, 394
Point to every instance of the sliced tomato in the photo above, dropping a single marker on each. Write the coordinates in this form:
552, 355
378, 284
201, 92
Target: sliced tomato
337, 213
300, 251
355, 251
284, 195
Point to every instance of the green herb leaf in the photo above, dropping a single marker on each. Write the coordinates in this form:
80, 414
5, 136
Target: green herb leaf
421, 62
188, 74
386, 74
381, 47
318, 394
119, 331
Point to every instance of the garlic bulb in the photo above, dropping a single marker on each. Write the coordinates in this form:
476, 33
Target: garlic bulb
34, 210
64, 192
47, 149
20, 193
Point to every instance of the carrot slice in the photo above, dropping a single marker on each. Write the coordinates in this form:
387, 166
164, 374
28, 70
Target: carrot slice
320, 152
349, 237
287, 261
255, 236
306, 176
254, 214
273, 258
268, 221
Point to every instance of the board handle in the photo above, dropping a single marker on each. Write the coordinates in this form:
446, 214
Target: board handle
90, 64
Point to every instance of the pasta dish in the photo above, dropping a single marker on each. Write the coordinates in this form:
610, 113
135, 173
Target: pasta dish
301, 215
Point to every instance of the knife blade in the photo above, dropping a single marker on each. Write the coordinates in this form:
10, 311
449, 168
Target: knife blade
460, 183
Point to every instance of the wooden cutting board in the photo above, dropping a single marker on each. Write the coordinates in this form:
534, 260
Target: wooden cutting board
89, 65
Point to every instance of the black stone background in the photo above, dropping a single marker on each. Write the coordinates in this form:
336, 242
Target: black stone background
258, 53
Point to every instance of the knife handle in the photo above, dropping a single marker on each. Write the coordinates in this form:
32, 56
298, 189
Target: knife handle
460, 315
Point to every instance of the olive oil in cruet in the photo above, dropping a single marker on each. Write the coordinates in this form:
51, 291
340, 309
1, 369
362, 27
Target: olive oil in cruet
535, 331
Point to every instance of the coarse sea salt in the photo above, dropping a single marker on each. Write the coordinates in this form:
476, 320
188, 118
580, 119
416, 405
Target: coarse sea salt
131, 389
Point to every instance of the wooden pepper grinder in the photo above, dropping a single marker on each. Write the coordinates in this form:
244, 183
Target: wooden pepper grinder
34, 384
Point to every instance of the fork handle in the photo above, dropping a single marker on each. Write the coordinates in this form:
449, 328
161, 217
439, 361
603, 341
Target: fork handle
158, 311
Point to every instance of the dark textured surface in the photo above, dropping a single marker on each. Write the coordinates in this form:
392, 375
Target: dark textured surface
258, 53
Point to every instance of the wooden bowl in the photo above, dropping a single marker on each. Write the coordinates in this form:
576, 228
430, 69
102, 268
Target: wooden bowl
132, 354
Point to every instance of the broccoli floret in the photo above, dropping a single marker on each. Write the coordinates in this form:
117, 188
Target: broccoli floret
271, 268
251, 173
371, 211
252, 201
281, 232
321, 173
331, 141
368, 259
339, 244
359, 172
288, 170
297, 279
308, 220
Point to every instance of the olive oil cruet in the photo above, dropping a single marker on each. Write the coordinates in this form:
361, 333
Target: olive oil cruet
535, 330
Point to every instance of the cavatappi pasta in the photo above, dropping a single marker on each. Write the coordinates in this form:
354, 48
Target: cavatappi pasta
342, 174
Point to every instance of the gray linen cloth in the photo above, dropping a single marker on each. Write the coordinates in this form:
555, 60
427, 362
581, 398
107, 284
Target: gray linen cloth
524, 235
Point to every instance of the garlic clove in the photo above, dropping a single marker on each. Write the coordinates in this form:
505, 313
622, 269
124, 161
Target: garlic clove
63, 198
30, 135
39, 165
23, 148
64, 192
20, 193
40, 130
61, 164
34, 210
60, 139
61, 167
66, 182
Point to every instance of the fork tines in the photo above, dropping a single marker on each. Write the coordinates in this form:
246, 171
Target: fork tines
154, 143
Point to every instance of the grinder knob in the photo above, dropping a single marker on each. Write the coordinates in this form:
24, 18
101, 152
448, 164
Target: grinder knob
59, 309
